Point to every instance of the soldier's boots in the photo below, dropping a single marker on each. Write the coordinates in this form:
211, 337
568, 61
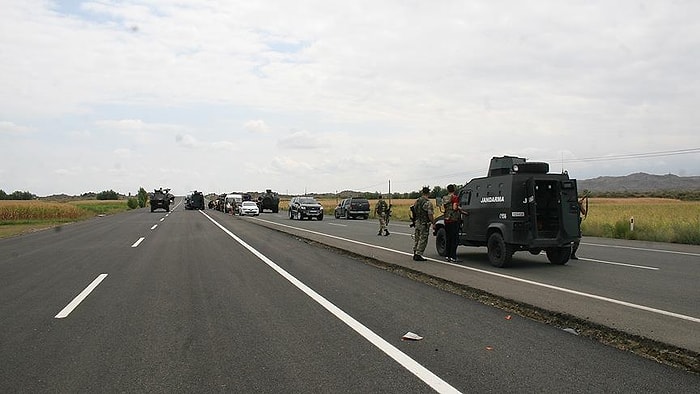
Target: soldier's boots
386, 232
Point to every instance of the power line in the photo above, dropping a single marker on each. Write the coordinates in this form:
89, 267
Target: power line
633, 155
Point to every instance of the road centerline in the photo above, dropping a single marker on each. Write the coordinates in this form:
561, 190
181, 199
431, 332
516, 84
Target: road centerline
80, 297
137, 243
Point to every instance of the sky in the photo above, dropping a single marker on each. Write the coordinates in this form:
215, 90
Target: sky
323, 96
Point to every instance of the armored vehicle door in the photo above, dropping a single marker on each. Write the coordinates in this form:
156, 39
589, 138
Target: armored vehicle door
471, 228
570, 209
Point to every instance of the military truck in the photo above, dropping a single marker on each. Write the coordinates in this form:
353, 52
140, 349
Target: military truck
269, 200
519, 206
194, 200
160, 199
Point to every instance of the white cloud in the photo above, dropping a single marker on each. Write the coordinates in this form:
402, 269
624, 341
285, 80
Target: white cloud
257, 126
14, 129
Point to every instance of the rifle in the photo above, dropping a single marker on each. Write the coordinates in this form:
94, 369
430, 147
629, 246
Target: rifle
387, 214
413, 216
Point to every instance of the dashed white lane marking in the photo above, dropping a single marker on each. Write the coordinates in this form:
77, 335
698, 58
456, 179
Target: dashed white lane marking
161, 219
336, 224
138, 242
154, 227
402, 358
513, 278
622, 264
642, 249
80, 297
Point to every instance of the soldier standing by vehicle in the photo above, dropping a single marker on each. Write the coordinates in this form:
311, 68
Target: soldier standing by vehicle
452, 221
423, 215
382, 210
583, 212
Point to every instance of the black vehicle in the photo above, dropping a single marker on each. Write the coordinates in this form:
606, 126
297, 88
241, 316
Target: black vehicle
160, 199
518, 206
194, 200
269, 200
303, 207
353, 207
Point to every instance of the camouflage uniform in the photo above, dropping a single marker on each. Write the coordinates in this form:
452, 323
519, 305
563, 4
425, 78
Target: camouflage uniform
424, 212
381, 210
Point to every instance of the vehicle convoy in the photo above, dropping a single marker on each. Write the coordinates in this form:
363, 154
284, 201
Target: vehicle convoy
352, 207
269, 200
519, 206
303, 207
160, 199
194, 200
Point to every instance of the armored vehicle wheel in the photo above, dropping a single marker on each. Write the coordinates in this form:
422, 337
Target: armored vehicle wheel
500, 253
440, 243
319, 217
336, 214
559, 256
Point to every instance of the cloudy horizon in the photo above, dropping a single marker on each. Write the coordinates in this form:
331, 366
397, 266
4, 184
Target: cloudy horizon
324, 96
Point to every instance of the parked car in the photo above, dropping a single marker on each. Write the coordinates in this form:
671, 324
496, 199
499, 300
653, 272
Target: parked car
351, 208
249, 208
303, 207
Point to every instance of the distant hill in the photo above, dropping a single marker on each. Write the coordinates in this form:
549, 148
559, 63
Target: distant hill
640, 182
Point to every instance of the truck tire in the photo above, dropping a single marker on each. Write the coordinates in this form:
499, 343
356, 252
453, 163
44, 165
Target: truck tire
559, 256
500, 253
320, 217
336, 214
440, 244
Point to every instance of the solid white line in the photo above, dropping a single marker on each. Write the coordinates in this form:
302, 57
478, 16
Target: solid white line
622, 264
530, 282
138, 242
154, 227
642, 249
80, 297
407, 362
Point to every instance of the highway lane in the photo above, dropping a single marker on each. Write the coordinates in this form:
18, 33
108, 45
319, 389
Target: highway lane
191, 309
646, 289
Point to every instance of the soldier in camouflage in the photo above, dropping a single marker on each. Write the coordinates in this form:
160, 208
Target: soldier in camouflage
382, 210
423, 210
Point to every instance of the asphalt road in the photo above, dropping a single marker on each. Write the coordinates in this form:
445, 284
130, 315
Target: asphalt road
204, 302
642, 288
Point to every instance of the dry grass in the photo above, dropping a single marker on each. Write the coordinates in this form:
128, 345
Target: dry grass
19, 217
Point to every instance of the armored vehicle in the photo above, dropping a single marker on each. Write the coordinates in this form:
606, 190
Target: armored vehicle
194, 200
269, 200
519, 206
160, 198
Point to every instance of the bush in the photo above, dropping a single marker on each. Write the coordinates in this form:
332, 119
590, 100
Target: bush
107, 195
133, 203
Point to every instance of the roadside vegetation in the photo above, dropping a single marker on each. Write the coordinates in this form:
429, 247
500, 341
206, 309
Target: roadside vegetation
22, 212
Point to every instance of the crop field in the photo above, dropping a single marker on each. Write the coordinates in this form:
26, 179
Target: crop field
17, 217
